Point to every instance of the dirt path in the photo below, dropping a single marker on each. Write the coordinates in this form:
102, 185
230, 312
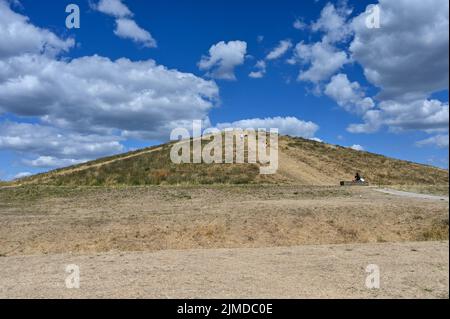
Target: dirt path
411, 195
300, 172
407, 270
87, 165
106, 162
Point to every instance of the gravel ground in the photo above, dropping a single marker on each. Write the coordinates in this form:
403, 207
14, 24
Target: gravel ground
412, 194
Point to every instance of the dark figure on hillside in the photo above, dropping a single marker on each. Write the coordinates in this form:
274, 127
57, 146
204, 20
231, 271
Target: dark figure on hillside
357, 177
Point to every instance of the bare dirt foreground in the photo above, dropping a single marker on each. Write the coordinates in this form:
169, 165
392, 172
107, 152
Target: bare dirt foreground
407, 270
221, 241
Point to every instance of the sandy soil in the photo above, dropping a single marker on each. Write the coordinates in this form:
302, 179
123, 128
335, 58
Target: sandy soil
407, 270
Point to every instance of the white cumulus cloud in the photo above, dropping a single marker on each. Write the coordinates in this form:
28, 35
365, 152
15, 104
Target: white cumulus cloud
60, 146
126, 27
280, 50
440, 141
22, 175
83, 108
223, 58
322, 61
261, 66
333, 22
114, 8
406, 59
260, 70
299, 24
357, 147
348, 95
285, 125
18, 35
94, 93
408, 56
50, 161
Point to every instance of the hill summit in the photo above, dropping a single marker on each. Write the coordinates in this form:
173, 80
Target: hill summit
301, 161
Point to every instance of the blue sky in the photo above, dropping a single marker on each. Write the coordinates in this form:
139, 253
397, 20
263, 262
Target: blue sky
385, 94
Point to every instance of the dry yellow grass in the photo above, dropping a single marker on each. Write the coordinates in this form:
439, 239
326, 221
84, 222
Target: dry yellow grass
41, 220
301, 161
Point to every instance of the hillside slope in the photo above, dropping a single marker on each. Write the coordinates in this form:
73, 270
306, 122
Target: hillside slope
301, 161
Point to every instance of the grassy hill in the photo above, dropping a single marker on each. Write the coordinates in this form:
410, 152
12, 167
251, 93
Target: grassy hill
301, 161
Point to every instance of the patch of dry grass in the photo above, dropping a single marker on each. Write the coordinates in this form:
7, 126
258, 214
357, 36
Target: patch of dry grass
334, 160
437, 230
153, 168
331, 163
54, 219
